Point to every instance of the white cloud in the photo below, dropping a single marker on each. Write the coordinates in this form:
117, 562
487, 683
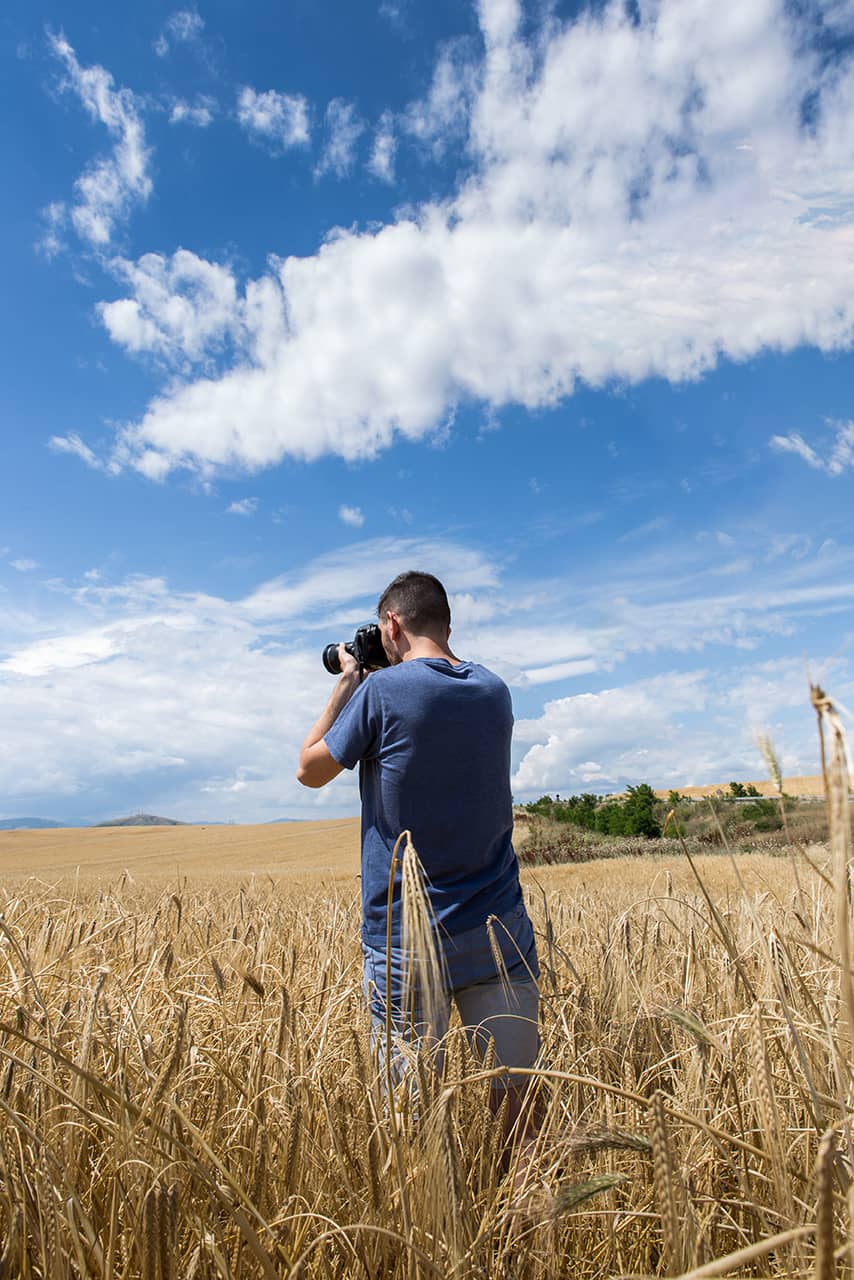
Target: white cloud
401, 514
734, 568
838, 15
592, 238
74, 445
55, 217
184, 26
381, 163
180, 696
183, 308
280, 119
395, 12
62, 653
841, 455
443, 115
354, 577
795, 443
351, 515
344, 129
243, 507
646, 530
611, 725
139, 687
682, 728
24, 565
199, 113
106, 191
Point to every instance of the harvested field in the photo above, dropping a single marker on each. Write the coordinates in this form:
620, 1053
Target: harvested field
299, 850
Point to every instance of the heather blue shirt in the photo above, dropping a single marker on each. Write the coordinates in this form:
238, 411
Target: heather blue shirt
433, 743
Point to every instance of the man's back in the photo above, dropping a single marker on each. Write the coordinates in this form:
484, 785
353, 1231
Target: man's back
433, 739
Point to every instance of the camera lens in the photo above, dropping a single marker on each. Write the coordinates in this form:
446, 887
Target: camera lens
331, 661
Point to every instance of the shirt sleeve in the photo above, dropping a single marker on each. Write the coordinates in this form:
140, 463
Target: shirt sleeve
355, 735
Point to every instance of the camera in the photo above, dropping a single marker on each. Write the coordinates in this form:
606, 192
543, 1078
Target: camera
366, 647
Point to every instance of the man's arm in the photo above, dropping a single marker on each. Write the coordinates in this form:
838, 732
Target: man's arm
317, 765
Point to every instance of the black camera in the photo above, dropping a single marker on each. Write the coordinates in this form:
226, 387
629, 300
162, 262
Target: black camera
366, 647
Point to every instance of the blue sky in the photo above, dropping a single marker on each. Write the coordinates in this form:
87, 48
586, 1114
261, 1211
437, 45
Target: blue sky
553, 300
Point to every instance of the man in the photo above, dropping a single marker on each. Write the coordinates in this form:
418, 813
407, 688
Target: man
431, 734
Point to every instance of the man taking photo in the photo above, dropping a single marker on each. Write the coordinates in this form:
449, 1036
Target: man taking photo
431, 735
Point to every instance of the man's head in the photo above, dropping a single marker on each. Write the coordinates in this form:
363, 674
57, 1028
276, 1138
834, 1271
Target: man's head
417, 604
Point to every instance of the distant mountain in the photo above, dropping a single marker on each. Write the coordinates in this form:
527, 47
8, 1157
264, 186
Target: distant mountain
31, 824
141, 820
272, 821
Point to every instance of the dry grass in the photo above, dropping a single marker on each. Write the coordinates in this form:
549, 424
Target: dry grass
187, 1087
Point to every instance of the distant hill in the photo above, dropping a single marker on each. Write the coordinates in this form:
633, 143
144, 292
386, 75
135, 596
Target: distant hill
31, 824
141, 820
272, 821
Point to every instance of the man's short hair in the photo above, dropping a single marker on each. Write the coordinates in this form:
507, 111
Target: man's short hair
419, 600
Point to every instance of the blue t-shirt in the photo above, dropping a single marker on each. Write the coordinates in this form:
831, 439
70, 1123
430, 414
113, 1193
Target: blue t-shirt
433, 741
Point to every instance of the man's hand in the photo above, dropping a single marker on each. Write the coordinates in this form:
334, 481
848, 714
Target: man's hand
317, 765
349, 665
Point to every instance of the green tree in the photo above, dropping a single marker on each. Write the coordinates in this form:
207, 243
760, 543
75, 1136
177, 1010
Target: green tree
640, 811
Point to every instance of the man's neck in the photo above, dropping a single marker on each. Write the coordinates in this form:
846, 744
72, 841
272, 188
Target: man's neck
424, 647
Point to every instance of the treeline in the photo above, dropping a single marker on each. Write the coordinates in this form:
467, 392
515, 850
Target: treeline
635, 815
641, 813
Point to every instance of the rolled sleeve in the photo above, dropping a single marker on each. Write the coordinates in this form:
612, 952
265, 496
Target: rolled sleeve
355, 734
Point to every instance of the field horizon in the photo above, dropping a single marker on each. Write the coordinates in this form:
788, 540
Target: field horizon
328, 848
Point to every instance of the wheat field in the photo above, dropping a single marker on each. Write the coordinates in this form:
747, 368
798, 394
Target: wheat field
187, 1085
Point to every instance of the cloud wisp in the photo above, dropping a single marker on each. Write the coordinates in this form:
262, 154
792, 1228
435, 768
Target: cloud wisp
184, 26
108, 189
592, 239
839, 459
344, 129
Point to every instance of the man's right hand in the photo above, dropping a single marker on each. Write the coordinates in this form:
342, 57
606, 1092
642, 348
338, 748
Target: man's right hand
349, 665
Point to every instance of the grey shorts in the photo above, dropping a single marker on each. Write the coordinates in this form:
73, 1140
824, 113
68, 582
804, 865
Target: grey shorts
504, 1011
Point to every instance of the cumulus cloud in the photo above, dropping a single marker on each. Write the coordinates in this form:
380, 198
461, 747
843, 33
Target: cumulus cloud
571, 730
591, 237
840, 457
279, 119
351, 515
677, 729
107, 190
243, 507
182, 308
344, 129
